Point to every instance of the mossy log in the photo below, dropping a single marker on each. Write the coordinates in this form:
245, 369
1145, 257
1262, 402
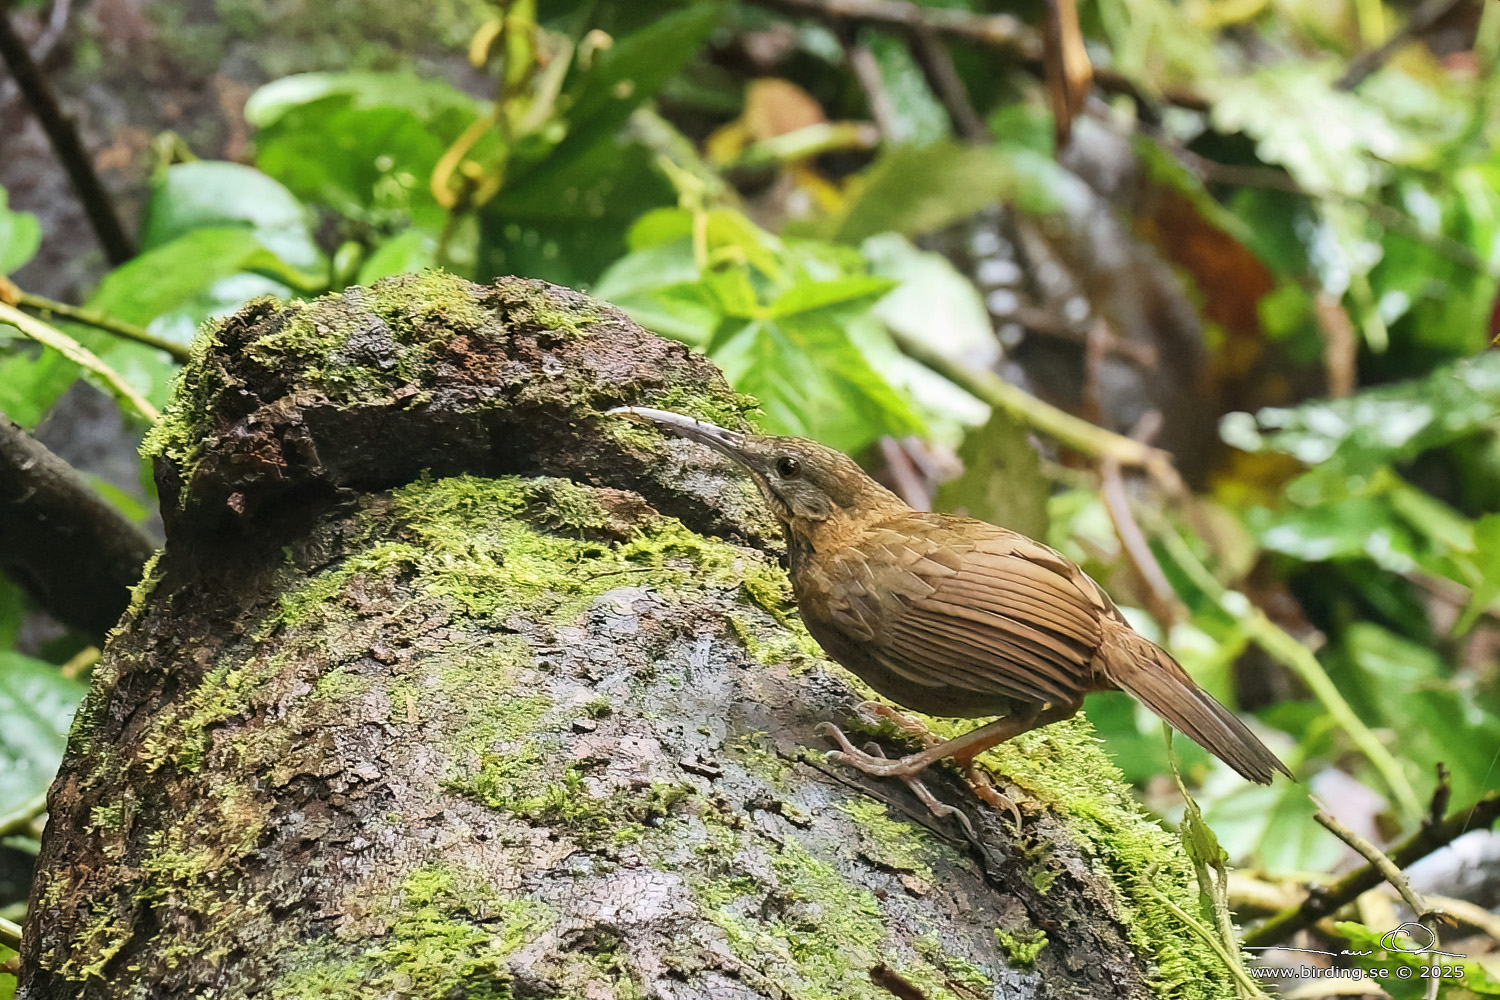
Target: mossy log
445, 685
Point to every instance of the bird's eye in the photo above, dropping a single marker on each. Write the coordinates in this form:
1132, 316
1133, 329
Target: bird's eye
788, 467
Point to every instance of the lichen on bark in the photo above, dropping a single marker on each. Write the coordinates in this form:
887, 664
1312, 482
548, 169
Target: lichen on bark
447, 685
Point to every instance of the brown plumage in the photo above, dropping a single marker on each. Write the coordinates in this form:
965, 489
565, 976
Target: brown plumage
950, 616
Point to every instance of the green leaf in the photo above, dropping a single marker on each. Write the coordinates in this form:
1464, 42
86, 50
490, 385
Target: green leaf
843, 295
412, 250
811, 381
30, 381
919, 117
426, 99
1287, 107
917, 191
211, 194
163, 279
1385, 425
1002, 481
1487, 557
20, 236
1401, 963
36, 707
1435, 717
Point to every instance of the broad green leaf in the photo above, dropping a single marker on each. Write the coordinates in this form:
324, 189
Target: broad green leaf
1435, 716
36, 708
811, 381
856, 293
1330, 140
160, 280
426, 99
412, 250
1487, 558
1002, 481
653, 266
31, 380
20, 236
565, 220
1402, 963
917, 191
210, 194
1382, 425
919, 118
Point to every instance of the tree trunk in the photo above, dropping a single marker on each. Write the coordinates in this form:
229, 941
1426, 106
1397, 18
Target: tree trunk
447, 686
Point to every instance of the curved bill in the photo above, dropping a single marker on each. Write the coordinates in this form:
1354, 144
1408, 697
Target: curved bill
729, 442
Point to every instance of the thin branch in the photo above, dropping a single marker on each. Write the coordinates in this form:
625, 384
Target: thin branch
936, 62
1377, 858
10, 934
20, 819
1432, 836
1287, 650
1277, 179
1158, 592
89, 317
69, 148
1001, 32
1073, 432
75, 352
1422, 19
72, 550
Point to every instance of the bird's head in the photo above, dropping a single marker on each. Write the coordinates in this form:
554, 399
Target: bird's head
808, 486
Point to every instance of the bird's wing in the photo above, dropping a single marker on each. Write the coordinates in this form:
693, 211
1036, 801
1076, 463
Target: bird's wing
989, 611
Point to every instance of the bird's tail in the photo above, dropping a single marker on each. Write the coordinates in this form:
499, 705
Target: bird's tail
1148, 672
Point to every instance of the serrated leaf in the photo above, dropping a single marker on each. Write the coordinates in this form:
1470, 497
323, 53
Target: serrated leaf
812, 382
855, 293
917, 191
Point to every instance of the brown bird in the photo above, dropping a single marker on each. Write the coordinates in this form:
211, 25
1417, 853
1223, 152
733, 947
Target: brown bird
950, 616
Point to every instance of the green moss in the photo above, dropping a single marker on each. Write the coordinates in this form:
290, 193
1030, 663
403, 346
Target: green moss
448, 935
1064, 766
889, 843
1021, 949
108, 818
824, 940
150, 578
953, 967
724, 407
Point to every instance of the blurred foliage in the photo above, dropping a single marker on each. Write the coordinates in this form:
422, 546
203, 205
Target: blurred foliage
712, 169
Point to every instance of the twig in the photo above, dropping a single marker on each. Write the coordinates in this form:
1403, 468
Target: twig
77, 555
1236, 968
867, 74
1074, 432
10, 934
936, 62
1377, 858
89, 317
1367, 62
1465, 912
1000, 32
1287, 650
1159, 594
1432, 836
1277, 179
75, 160
79, 355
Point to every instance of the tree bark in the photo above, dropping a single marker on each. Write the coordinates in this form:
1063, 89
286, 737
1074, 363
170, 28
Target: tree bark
446, 685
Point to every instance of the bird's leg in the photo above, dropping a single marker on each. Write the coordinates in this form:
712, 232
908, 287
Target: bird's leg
962, 748
875, 712
984, 788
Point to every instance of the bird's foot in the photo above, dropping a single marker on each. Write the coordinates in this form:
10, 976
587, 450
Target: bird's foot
874, 713
878, 766
985, 789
